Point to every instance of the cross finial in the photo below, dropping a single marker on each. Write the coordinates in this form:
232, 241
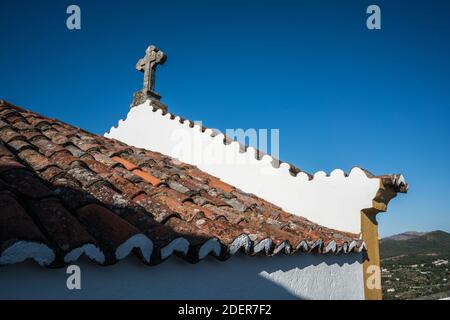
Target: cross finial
153, 57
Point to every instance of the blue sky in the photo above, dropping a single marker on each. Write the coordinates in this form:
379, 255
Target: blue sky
341, 95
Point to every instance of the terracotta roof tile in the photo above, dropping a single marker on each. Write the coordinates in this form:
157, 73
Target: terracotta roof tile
111, 231
31, 134
136, 160
99, 168
50, 133
68, 190
141, 184
85, 144
103, 192
220, 185
46, 146
49, 173
41, 124
205, 197
158, 209
3, 124
178, 187
63, 159
15, 118
129, 189
85, 176
5, 111
161, 173
4, 151
127, 164
199, 175
19, 144
34, 159
59, 225
73, 198
15, 224
192, 184
183, 210
226, 232
174, 194
147, 177
103, 159
7, 134
74, 150
26, 183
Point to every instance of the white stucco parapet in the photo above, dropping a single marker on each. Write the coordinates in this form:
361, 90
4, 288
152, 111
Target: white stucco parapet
333, 200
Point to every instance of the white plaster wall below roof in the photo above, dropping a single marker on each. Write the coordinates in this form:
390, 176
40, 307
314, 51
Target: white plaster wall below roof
301, 276
333, 201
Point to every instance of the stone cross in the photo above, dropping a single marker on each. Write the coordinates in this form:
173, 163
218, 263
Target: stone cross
147, 65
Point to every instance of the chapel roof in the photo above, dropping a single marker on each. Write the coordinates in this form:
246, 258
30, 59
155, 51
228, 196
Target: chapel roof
65, 192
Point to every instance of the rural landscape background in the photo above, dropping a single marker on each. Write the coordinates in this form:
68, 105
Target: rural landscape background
415, 265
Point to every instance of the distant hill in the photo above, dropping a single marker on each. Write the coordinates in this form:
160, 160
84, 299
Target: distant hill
405, 235
415, 265
435, 243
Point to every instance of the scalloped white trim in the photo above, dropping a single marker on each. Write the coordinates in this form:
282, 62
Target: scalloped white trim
179, 245
282, 246
212, 245
330, 247
90, 250
22, 250
242, 241
264, 244
140, 241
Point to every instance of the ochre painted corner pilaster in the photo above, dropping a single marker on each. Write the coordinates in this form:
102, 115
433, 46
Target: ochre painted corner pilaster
371, 264
369, 231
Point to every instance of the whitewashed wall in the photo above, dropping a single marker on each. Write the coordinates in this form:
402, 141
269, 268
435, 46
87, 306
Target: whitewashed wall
334, 201
302, 276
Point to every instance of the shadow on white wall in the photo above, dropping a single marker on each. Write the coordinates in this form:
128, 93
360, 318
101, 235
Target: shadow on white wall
302, 276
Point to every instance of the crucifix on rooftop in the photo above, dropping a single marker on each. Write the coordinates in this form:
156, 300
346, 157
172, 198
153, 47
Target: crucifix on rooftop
153, 57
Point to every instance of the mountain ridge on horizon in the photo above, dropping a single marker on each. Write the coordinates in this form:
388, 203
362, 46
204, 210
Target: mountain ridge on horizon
410, 234
415, 243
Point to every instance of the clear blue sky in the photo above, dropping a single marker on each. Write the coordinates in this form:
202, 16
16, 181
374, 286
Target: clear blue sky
340, 94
